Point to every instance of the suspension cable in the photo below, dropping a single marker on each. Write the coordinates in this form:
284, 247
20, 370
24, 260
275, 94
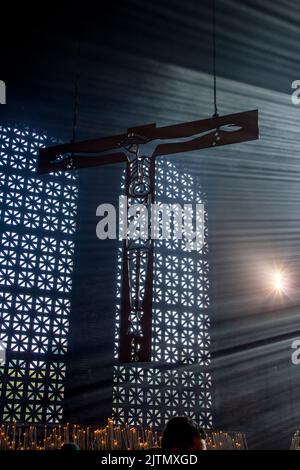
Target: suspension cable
214, 34
76, 98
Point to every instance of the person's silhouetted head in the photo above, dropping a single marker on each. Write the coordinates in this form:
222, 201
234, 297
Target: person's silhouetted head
183, 434
71, 446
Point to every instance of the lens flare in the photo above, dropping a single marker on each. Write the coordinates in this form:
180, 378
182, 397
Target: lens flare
278, 281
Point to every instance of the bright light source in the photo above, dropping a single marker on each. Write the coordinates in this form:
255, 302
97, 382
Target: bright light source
278, 281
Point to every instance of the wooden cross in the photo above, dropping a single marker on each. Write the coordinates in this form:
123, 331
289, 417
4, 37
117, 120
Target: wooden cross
139, 148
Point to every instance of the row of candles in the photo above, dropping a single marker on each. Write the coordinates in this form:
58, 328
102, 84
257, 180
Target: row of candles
110, 437
225, 441
295, 445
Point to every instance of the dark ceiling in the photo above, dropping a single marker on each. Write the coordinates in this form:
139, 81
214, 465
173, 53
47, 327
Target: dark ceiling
257, 44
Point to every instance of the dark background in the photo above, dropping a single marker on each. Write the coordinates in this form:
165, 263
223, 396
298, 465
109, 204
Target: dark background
140, 62
258, 43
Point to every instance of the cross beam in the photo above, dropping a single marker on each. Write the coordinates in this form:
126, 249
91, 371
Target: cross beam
138, 148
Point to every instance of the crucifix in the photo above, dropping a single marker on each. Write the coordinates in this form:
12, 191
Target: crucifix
139, 148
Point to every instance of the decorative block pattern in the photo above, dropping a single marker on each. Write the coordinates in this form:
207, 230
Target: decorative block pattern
178, 381
37, 221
